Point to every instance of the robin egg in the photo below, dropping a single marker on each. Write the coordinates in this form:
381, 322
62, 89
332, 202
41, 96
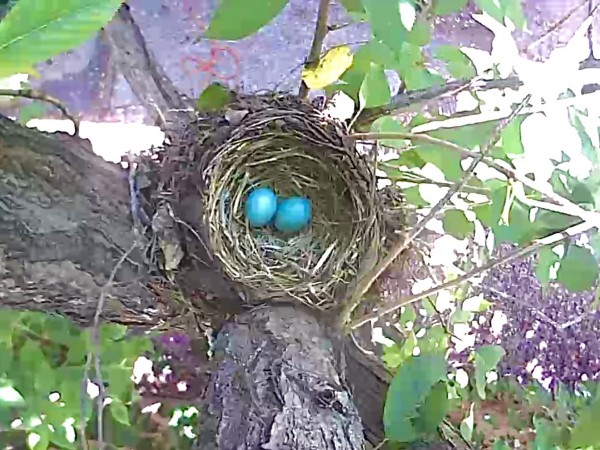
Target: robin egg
260, 207
293, 214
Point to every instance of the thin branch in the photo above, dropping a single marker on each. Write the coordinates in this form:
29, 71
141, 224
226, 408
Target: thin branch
365, 283
410, 98
95, 354
317, 44
33, 94
518, 253
562, 205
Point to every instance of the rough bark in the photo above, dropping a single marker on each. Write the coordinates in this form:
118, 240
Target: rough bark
277, 387
64, 222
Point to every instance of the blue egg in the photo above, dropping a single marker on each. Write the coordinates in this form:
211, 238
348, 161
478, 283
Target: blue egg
261, 206
293, 214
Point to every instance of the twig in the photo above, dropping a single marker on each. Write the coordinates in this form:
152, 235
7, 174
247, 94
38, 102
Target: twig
518, 253
317, 44
563, 205
365, 283
411, 98
33, 94
95, 353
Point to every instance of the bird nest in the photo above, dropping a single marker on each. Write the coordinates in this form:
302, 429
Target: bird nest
294, 149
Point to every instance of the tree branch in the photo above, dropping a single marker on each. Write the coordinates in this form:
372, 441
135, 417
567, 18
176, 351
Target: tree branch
317, 44
365, 283
155, 91
402, 101
562, 205
33, 94
518, 253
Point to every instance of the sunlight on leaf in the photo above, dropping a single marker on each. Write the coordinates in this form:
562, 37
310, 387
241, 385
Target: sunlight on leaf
487, 358
329, 68
467, 424
35, 30
545, 261
236, 19
10, 396
375, 89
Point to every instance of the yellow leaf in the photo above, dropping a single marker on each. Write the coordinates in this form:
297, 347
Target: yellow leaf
329, 69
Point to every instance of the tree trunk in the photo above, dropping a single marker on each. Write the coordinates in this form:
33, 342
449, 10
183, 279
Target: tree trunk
65, 222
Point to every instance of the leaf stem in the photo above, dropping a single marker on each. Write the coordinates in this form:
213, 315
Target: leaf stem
317, 43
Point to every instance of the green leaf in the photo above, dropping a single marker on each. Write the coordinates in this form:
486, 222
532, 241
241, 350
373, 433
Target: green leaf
329, 68
487, 358
9, 319
545, 260
456, 224
112, 332
387, 22
38, 439
413, 196
408, 390
388, 124
578, 269
587, 431
120, 412
499, 9
35, 30
375, 89
119, 381
513, 9
236, 19
511, 137
459, 65
214, 98
421, 33
467, 424
434, 408
447, 161
353, 6
492, 7
446, 7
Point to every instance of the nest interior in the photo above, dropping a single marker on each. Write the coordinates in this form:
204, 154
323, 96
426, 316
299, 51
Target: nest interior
290, 146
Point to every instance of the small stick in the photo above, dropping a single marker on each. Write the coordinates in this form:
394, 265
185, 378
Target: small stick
317, 44
95, 354
33, 94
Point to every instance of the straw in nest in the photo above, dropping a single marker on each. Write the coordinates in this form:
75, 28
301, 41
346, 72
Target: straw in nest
290, 147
